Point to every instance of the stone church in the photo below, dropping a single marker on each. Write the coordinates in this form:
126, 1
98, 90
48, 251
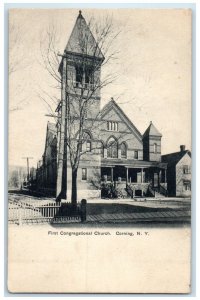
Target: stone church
112, 151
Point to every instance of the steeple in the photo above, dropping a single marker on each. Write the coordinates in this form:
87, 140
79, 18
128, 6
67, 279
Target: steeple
152, 131
82, 41
152, 144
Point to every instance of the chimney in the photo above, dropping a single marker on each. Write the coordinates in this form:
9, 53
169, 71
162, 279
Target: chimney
182, 148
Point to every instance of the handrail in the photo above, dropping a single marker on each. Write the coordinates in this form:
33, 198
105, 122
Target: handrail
129, 190
163, 190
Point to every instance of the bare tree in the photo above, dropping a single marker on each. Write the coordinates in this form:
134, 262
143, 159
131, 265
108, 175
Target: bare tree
80, 85
17, 62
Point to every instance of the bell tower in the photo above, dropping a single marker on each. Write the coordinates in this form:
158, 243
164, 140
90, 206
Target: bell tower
80, 70
83, 66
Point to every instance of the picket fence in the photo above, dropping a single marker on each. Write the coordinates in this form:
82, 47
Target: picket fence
20, 212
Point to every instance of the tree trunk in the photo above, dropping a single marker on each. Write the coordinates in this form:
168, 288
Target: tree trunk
74, 188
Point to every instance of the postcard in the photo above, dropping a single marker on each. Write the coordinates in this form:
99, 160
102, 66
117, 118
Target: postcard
99, 188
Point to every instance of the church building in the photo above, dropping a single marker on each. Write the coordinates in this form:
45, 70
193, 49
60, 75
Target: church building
103, 144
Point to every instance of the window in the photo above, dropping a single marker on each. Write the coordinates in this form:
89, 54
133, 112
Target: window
112, 126
112, 150
88, 146
123, 150
79, 75
155, 148
102, 150
89, 76
136, 154
186, 169
84, 78
84, 174
187, 187
87, 139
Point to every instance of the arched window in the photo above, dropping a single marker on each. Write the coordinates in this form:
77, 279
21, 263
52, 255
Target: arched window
155, 148
112, 148
123, 150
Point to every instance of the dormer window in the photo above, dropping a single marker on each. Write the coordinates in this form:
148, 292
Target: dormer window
112, 126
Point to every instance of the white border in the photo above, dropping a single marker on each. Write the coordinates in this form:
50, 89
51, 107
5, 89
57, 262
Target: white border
3, 163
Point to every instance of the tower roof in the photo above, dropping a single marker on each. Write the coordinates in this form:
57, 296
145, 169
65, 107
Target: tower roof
82, 41
152, 131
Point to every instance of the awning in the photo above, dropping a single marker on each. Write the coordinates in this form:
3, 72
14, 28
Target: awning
131, 163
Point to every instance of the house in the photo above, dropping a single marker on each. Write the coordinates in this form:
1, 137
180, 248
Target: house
113, 151
178, 172
46, 173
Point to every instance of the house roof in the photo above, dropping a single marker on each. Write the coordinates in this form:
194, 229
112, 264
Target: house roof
82, 41
151, 131
112, 104
174, 158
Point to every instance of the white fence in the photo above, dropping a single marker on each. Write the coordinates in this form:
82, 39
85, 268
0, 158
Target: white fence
20, 212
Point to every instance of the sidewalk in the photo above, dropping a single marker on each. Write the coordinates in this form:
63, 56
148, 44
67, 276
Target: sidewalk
139, 217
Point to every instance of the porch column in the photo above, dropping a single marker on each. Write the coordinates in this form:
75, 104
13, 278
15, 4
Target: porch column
165, 176
158, 178
126, 174
111, 174
141, 175
142, 181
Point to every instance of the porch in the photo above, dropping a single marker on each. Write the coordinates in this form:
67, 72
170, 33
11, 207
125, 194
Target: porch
136, 178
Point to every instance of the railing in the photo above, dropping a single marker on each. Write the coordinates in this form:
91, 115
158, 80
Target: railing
129, 190
163, 190
151, 190
87, 86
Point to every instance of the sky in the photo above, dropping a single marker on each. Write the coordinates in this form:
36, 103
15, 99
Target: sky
153, 68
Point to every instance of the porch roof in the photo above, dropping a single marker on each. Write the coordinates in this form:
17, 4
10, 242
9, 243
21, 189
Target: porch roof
131, 163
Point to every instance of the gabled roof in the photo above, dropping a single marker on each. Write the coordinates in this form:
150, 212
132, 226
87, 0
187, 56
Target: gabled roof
113, 105
50, 134
151, 131
82, 41
174, 158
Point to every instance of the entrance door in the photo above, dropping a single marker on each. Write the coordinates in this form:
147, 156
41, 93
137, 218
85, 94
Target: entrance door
155, 180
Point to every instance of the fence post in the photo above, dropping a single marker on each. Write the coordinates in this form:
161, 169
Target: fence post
83, 210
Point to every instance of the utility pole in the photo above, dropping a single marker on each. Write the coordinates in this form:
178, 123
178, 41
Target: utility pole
61, 182
27, 160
